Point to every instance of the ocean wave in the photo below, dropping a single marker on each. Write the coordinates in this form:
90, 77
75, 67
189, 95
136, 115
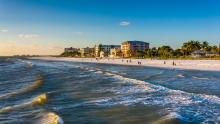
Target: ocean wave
180, 75
98, 72
29, 64
36, 101
51, 118
200, 78
29, 88
172, 118
169, 96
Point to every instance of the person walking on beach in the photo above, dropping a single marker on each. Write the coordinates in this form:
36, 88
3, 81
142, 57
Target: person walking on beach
174, 64
139, 63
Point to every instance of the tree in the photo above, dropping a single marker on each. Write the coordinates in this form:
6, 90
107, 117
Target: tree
177, 53
214, 49
165, 51
205, 46
154, 52
148, 53
139, 53
190, 47
70, 54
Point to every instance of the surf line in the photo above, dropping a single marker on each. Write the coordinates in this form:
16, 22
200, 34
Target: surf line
35, 85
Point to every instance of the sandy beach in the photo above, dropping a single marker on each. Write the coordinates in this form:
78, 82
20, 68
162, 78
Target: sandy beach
205, 65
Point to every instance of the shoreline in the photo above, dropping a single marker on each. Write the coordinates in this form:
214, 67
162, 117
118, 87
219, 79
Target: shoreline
201, 65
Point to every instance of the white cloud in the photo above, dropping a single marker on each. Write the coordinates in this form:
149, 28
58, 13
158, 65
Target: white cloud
3, 30
125, 23
79, 33
28, 36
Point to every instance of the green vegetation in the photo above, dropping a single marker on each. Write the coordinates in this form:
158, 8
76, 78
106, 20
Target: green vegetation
70, 54
166, 52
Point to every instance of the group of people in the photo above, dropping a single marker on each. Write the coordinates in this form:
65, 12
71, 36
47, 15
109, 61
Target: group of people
128, 61
173, 63
139, 63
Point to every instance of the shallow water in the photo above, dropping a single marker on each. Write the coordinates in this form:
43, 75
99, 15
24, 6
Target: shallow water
34, 91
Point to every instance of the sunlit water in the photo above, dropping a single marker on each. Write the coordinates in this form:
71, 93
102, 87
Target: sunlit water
36, 91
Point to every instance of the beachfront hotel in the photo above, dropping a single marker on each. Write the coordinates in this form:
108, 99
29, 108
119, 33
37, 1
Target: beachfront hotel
104, 49
87, 52
129, 48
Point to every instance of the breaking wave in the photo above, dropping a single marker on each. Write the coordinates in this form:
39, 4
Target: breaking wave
180, 75
172, 118
170, 96
37, 101
51, 118
141, 92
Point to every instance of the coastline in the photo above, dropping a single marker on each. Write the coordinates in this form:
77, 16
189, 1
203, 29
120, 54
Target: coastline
202, 65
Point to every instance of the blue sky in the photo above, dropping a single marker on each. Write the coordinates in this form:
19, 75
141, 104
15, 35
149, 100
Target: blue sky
47, 26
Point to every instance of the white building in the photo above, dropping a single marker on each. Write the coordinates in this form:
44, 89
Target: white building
115, 53
105, 49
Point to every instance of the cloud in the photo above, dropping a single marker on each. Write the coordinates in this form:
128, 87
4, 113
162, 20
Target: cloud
28, 36
125, 23
3, 30
79, 33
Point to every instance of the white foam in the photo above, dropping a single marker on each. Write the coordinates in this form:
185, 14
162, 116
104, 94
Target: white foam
51, 118
200, 78
98, 72
167, 96
180, 75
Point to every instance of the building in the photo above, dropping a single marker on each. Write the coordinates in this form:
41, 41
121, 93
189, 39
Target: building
71, 49
87, 52
129, 48
198, 54
212, 54
115, 53
105, 49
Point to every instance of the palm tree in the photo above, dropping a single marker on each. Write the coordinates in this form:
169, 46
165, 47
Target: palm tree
191, 46
214, 49
205, 46
154, 52
165, 51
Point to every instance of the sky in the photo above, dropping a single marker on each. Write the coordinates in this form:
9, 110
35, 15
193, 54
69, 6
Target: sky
45, 27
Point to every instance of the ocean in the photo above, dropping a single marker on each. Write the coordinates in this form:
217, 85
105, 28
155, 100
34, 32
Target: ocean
42, 92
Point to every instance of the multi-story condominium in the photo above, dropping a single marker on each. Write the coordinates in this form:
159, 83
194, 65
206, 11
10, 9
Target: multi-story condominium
104, 48
87, 52
115, 53
129, 48
71, 49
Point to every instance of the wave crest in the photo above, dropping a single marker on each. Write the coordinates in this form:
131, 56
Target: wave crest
51, 118
39, 100
35, 85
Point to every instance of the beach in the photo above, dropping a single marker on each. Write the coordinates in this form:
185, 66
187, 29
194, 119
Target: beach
203, 65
